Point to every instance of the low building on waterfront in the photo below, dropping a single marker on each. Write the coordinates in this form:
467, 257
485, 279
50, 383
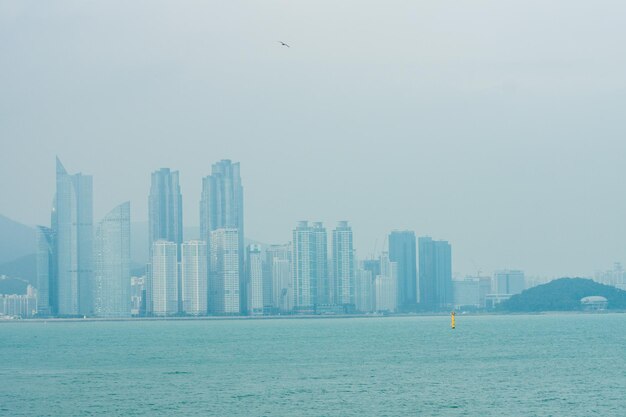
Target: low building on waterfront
594, 303
19, 305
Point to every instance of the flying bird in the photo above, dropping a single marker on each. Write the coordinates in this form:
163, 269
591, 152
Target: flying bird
283, 44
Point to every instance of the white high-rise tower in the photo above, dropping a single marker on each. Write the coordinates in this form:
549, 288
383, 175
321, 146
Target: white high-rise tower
193, 269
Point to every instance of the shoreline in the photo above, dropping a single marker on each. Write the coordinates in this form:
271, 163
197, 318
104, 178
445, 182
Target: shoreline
293, 317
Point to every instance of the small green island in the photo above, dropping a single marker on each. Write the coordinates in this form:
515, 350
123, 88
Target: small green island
565, 294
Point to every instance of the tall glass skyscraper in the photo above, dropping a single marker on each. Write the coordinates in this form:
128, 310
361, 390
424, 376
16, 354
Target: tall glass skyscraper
221, 206
73, 228
112, 264
310, 266
165, 208
343, 264
402, 251
165, 218
193, 269
435, 260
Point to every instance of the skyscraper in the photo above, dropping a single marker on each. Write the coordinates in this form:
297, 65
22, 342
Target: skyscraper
224, 283
165, 218
164, 278
309, 266
435, 271
221, 207
73, 228
402, 251
254, 269
363, 290
275, 286
46, 271
112, 264
321, 266
385, 285
193, 271
343, 264
282, 285
165, 208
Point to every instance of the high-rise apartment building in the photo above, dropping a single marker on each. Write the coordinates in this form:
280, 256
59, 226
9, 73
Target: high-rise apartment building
73, 229
282, 285
194, 277
112, 264
221, 207
343, 264
165, 220
435, 274
164, 278
386, 286
275, 284
224, 282
402, 250
254, 269
364, 295
309, 266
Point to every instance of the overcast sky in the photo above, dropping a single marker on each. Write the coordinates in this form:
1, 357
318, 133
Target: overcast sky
497, 125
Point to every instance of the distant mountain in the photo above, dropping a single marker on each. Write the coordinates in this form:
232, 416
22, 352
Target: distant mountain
16, 240
563, 295
12, 285
24, 268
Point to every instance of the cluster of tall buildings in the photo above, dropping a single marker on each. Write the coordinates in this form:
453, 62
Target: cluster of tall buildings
84, 269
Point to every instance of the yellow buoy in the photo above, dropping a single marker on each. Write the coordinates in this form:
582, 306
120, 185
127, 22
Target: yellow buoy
452, 323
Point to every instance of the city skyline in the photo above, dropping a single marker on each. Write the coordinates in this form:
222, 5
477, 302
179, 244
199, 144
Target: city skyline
456, 272
464, 265
314, 273
312, 208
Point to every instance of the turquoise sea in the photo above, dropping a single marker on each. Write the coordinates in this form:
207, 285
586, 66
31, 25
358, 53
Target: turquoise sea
541, 365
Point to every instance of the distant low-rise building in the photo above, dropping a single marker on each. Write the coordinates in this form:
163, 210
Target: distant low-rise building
594, 303
19, 305
509, 282
466, 292
491, 300
137, 294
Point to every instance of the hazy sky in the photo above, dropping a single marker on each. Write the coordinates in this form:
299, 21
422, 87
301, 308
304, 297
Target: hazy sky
496, 125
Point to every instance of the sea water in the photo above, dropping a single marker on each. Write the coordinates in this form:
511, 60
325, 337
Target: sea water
534, 365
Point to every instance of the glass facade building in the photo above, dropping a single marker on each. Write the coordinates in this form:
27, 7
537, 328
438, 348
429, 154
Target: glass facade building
402, 250
435, 260
73, 229
112, 264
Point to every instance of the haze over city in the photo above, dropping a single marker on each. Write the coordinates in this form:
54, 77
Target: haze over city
496, 128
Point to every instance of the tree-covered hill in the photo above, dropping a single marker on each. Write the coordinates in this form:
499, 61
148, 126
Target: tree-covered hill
563, 294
